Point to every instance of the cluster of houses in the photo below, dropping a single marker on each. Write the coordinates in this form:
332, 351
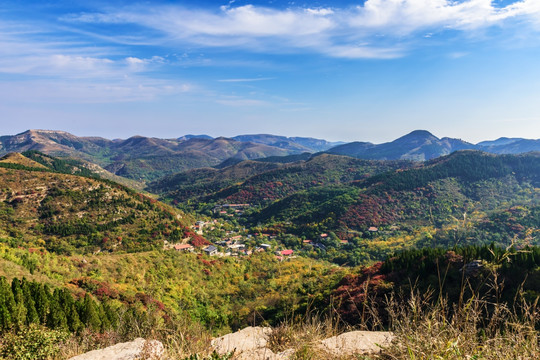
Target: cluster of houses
200, 225
234, 245
231, 209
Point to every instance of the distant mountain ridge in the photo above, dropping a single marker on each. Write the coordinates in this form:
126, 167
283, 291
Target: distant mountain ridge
297, 144
421, 145
148, 158
139, 157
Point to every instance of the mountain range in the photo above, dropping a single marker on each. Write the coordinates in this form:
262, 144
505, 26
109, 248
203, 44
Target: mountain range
147, 158
421, 145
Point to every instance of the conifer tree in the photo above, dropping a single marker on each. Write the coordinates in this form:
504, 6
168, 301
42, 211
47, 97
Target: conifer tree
66, 301
105, 323
42, 301
18, 315
6, 304
111, 314
31, 312
56, 318
89, 314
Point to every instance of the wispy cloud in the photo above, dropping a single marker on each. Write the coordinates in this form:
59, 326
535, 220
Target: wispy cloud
77, 59
352, 32
242, 102
73, 71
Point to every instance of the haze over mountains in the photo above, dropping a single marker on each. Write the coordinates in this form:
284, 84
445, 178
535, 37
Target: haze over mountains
148, 158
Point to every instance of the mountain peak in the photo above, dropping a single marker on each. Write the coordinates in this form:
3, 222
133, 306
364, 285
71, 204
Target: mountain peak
418, 134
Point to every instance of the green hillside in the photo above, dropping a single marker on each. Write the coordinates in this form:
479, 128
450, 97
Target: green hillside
67, 213
467, 197
82, 259
262, 182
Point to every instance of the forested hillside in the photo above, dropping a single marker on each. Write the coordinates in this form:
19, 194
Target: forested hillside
82, 259
261, 182
64, 213
372, 208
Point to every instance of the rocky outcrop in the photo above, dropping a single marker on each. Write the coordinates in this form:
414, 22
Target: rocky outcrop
136, 349
248, 339
250, 344
356, 342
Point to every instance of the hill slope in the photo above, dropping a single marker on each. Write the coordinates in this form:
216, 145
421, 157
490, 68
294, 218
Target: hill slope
261, 181
431, 195
68, 213
467, 197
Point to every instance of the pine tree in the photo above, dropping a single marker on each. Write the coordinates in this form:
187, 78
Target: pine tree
89, 314
111, 314
32, 316
6, 304
18, 314
56, 318
42, 301
105, 323
66, 301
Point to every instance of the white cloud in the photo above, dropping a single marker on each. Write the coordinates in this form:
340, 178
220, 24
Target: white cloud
72, 72
330, 31
320, 11
245, 20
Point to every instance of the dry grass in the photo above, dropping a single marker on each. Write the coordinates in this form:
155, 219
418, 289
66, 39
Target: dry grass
304, 336
476, 329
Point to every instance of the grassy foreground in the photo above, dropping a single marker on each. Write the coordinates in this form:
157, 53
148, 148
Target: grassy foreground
474, 329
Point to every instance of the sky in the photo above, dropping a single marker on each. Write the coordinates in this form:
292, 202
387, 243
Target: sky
342, 70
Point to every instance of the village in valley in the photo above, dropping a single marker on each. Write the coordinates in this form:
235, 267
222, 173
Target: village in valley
228, 238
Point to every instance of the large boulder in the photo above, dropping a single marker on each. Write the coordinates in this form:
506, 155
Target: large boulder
136, 349
250, 338
356, 342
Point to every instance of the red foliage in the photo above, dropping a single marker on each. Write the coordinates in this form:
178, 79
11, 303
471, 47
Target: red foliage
100, 289
354, 290
105, 291
206, 262
197, 240
369, 211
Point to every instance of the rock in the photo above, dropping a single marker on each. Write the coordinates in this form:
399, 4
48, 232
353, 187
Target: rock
250, 338
356, 342
285, 355
257, 354
136, 349
265, 354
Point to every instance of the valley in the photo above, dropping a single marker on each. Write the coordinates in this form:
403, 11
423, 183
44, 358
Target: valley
276, 230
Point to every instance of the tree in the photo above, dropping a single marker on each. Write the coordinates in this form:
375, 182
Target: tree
89, 313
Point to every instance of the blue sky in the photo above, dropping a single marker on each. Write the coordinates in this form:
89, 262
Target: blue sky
347, 70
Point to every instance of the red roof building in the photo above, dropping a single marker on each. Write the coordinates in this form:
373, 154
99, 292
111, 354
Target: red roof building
183, 247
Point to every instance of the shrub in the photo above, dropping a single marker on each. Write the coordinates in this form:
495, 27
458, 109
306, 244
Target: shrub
32, 343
